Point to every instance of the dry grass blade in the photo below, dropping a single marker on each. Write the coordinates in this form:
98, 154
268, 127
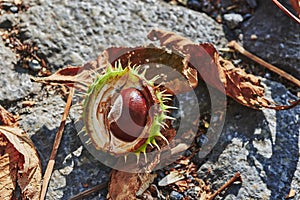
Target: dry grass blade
286, 11
236, 177
56, 144
233, 44
89, 191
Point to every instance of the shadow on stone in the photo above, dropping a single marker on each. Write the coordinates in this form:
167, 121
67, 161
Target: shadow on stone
75, 169
262, 145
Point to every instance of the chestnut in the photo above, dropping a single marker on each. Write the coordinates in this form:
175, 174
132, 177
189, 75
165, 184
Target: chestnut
124, 112
133, 117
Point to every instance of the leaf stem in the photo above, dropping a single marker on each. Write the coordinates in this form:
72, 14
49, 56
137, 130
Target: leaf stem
233, 44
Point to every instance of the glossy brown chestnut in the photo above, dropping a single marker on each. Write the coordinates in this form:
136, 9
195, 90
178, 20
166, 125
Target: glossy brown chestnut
133, 118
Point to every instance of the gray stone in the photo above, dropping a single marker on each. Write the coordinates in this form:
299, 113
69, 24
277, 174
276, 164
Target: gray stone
75, 169
278, 39
13, 9
233, 20
78, 32
13, 85
175, 195
9, 20
262, 145
34, 65
252, 3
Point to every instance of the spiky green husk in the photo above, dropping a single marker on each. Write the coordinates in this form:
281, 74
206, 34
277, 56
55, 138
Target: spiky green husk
133, 77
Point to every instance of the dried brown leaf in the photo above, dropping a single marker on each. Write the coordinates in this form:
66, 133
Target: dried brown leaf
25, 170
216, 71
296, 6
9, 158
78, 76
124, 185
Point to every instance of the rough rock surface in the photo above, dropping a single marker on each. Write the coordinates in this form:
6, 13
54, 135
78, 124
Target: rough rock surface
21, 87
278, 39
263, 146
73, 33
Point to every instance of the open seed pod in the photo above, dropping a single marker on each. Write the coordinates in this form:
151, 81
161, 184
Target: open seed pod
124, 112
128, 105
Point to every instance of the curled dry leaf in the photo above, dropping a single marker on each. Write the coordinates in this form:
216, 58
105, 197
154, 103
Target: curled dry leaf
19, 164
218, 72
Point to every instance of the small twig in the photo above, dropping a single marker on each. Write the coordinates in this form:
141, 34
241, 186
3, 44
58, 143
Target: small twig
233, 44
286, 11
226, 185
89, 191
56, 144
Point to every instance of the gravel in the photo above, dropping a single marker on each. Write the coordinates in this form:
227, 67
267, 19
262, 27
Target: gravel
175, 195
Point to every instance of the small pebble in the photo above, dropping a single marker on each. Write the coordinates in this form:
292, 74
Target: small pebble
241, 36
253, 37
175, 195
268, 75
13, 9
252, 3
247, 16
34, 65
194, 4
233, 20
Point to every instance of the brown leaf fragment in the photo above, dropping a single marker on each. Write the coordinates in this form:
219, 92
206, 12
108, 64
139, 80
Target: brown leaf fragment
182, 185
296, 6
9, 158
6, 118
145, 185
74, 76
218, 72
291, 194
21, 154
124, 185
